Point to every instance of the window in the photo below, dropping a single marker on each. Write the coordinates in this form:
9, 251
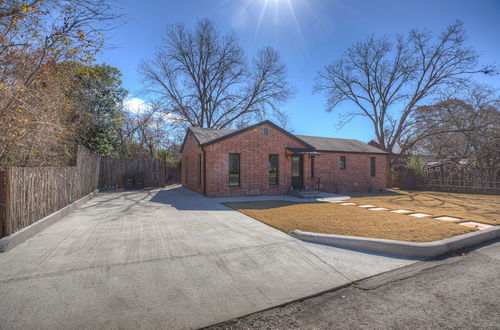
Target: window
373, 168
342, 163
234, 170
312, 167
265, 131
199, 169
185, 166
273, 169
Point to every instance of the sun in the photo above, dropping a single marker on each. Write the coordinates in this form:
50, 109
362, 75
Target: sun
282, 14
279, 7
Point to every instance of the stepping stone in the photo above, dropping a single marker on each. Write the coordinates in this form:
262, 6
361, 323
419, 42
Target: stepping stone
367, 205
477, 225
378, 209
401, 211
419, 215
447, 218
348, 204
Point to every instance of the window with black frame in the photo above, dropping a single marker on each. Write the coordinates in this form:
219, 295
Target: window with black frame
373, 168
342, 163
234, 170
199, 169
312, 167
273, 169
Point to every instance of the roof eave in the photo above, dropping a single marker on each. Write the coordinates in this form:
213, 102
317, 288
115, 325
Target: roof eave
355, 152
257, 125
189, 130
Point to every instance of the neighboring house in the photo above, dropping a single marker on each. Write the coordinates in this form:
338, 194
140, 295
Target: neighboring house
265, 159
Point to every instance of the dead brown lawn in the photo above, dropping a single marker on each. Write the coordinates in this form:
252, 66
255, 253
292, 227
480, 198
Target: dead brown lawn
332, 218
480, 208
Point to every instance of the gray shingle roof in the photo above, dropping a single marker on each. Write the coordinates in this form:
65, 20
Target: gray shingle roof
340, 145
207, 135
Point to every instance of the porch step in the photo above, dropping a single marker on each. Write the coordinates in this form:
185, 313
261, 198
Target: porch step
307, 194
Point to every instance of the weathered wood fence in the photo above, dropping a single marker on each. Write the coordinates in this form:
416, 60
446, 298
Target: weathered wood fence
457, 182
31, 193
2, 202
173, 174
113, 171
27, 194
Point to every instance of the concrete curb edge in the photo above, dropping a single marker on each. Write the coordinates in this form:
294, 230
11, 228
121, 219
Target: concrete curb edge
11, 241
401, 248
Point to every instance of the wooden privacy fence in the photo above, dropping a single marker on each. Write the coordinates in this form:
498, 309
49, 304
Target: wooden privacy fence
173, 174
27, 194
2, 202
30, 193
113, 170
455, 182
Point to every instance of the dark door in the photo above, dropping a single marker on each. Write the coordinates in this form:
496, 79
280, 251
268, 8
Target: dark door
297, 172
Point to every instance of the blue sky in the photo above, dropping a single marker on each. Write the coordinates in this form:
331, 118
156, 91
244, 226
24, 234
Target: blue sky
308, 34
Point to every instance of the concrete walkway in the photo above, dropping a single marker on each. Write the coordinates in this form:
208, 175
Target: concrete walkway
327, 198
164, 259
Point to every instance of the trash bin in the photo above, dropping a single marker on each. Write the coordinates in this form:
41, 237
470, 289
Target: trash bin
139, 181
128, 182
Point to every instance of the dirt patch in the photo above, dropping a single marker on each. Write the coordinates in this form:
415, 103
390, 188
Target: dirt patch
350, 220
480, 208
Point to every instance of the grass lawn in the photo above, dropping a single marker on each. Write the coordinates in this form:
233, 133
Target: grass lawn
480, 208
332, 218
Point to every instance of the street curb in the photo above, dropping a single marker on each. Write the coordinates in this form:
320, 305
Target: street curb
401, 248
13, 240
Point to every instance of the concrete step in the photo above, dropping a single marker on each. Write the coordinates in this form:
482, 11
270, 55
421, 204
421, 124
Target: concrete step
307, 194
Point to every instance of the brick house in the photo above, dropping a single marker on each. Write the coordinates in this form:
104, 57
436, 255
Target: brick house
265, 159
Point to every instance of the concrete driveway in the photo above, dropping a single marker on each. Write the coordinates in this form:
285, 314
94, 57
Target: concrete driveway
164, 259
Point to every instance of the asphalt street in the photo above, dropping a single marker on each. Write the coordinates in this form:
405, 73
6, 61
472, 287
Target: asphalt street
460, 291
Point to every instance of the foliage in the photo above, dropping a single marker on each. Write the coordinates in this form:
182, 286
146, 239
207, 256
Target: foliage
36, 39
99, 96
417, 163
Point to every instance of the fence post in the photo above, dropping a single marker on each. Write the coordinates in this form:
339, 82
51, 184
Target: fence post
3, 204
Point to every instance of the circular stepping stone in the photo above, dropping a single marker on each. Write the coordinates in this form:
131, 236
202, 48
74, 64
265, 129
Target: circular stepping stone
477, 225
348, 204
419, 215
367, 205
401, 211
378, 209
447, 218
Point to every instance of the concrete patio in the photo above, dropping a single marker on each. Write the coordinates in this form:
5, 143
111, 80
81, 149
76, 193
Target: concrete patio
165, 258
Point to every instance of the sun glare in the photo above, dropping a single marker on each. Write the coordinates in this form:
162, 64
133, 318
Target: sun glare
280, 6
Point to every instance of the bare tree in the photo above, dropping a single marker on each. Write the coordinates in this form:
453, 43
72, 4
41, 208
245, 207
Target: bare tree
463, 128
387, 80
149, 133
204, 78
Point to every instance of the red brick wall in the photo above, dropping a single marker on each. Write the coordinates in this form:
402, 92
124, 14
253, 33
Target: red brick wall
355, 178
254, 150
190, 165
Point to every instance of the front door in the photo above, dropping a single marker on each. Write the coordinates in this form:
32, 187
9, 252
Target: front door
297, 172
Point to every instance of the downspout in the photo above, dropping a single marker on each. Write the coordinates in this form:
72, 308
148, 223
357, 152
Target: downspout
204, 171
